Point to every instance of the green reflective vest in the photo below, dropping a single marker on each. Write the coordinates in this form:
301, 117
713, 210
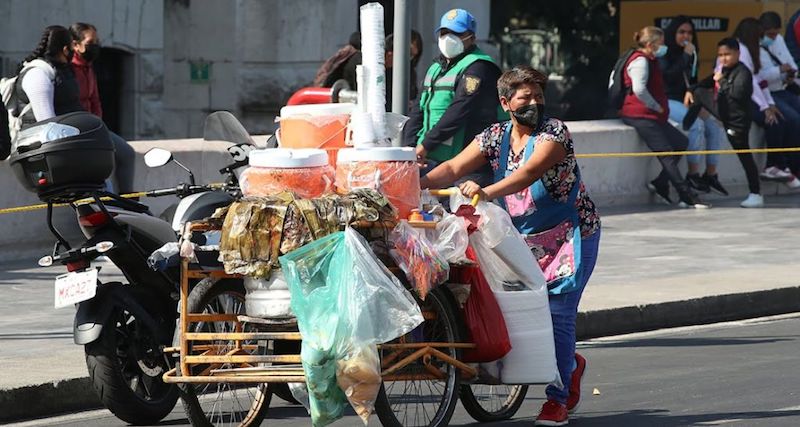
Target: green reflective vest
438, 91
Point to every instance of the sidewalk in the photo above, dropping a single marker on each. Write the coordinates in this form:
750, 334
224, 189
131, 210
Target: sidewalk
658, 268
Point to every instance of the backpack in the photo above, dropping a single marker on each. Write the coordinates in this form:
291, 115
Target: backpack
14, 107
616, 83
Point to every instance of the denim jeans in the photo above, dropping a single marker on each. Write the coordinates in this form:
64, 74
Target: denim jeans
708, 130
564, 311
789, 106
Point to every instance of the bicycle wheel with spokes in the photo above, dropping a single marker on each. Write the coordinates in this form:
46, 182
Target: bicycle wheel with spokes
489, 402
424, 392
223, 404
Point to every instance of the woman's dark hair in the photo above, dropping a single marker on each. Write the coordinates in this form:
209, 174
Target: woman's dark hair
79, 29
54, 39
749, 33
514, 78
355, 40
672, 31
770, 21
416, 38
729, 42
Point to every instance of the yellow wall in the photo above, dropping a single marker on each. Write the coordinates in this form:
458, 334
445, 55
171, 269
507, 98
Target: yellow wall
636, 14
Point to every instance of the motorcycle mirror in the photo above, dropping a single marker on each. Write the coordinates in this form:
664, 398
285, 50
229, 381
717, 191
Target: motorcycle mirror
103, 247
157, 157
46, 261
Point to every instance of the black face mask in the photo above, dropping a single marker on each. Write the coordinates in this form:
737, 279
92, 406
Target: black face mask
91, 53
531, 115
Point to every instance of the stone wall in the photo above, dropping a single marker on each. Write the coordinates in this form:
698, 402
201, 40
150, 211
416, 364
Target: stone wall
132, 26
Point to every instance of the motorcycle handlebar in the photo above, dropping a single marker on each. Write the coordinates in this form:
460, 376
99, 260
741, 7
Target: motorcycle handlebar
182, 190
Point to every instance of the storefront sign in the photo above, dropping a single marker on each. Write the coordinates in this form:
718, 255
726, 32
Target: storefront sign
701, 23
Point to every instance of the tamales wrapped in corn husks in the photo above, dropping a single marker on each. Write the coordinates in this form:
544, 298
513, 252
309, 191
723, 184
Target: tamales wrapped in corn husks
257, 230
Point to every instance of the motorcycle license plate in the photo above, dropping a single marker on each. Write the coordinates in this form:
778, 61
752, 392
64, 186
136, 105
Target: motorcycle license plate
74, 287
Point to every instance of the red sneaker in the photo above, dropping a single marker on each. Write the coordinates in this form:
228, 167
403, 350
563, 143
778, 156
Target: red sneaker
552, 414
574, 399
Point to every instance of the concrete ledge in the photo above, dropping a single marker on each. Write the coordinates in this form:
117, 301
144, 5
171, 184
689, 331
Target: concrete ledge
78, 394
700, 311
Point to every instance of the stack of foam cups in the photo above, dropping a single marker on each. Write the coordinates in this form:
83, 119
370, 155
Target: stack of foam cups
372, 59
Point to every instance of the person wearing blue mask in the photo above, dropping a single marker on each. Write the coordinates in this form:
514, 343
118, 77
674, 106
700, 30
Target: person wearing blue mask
646, 109
458, 98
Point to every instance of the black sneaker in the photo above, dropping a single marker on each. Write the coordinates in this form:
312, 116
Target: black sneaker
698, 183
690, 200
713, 183
660, 190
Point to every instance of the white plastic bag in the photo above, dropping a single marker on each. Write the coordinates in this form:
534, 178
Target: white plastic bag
452, 239
521, 292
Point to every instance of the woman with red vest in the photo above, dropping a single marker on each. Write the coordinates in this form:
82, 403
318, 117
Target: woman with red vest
646, 109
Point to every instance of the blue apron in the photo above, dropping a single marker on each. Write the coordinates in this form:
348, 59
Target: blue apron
550, 228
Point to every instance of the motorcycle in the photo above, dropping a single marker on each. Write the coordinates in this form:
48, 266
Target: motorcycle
124, 326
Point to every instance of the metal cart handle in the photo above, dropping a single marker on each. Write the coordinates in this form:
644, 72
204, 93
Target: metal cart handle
450, 191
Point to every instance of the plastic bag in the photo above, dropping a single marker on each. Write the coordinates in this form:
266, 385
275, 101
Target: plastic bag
345, 301
483, 317
424, 267
359, 376
452, 239
526, 311
165, 257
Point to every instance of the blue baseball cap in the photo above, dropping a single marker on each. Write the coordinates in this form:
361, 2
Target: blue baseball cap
458, 21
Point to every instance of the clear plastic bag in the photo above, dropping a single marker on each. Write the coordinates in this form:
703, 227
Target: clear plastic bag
424, 267
452, 239
345, 301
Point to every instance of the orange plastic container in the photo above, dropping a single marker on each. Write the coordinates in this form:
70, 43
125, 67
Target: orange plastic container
392, 171
321, 126
305, 172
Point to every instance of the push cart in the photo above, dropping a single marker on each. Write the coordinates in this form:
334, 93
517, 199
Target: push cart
230, 365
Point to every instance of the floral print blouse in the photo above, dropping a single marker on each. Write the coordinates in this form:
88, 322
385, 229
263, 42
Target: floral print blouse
558, 180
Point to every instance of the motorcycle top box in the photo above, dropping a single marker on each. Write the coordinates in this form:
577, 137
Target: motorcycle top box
64, 158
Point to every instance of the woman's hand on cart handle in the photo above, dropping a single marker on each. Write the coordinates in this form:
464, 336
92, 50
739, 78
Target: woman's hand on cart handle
472, 189
450, 191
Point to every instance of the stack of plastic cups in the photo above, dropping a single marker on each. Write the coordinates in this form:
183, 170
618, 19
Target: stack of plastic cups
372, 59
363, 132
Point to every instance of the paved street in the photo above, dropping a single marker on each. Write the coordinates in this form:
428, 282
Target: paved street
732, 374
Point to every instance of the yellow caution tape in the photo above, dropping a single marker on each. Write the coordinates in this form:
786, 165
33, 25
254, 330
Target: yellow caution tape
58, 205
579, 156
686, 153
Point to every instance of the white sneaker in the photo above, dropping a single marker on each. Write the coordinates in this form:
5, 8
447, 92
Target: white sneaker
753, 201
774, 173
794, 184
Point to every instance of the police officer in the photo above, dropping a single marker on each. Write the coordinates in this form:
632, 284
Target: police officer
459, 96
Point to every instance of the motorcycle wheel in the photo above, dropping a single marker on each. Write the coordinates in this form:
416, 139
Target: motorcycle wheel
125, 366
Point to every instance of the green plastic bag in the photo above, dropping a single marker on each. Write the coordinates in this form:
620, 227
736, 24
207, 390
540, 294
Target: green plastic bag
346, 301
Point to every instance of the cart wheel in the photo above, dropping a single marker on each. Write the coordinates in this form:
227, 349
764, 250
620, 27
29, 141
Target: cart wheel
222, 404
416, 401
487, 403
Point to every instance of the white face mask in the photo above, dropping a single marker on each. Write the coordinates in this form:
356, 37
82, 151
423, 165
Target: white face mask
451, 45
